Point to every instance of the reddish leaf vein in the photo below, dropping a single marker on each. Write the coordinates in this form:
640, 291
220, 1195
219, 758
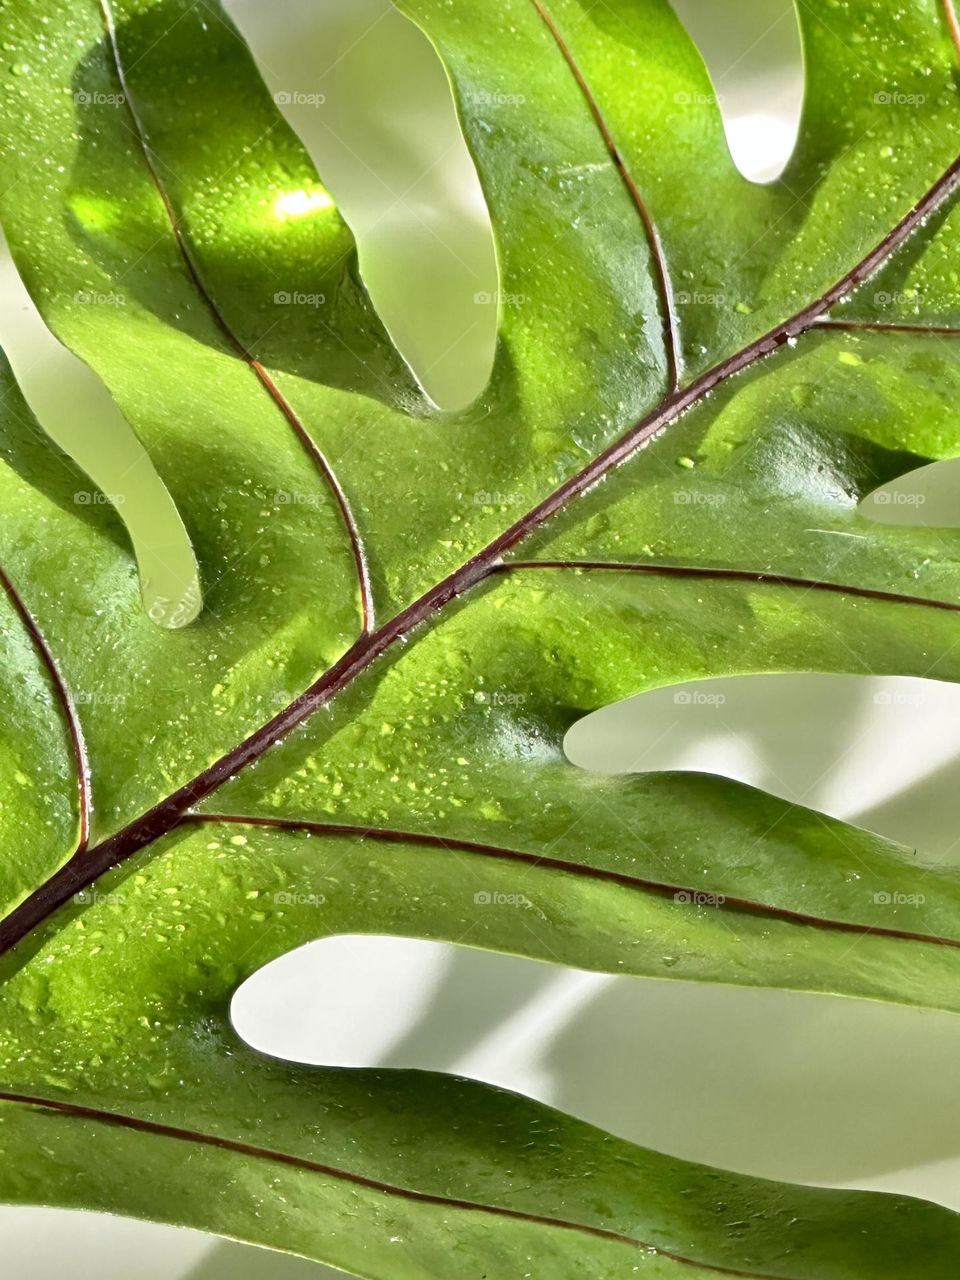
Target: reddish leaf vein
670, 323
74, 730
724, 901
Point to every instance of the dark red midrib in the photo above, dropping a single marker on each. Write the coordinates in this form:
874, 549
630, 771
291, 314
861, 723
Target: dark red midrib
139, 1125
74, 730
313, 451
80, 872
751, 906
671, 327
165, 815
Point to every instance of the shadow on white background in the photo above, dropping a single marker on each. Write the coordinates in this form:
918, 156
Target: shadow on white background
782, 1085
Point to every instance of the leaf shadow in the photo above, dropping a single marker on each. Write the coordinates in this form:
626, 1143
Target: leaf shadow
298, 300
790, 1086
923, 814
465, 1008
880, 752
232, 1261
795, 1086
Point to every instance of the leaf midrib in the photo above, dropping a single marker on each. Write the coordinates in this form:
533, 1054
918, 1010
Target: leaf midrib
84, 869
163, 817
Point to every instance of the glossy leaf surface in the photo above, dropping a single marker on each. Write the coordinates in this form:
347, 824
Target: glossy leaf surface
697, 381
